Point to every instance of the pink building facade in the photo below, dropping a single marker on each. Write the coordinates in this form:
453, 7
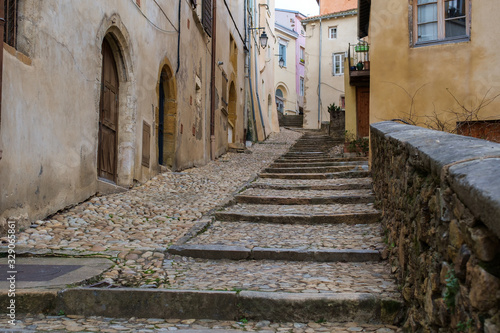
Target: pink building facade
291, 20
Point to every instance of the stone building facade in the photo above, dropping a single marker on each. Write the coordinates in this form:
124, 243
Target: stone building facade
105, 94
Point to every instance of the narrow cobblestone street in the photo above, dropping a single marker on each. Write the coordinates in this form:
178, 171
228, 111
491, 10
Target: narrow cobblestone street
304, 226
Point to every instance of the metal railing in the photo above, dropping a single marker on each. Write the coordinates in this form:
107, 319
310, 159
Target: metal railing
359, 57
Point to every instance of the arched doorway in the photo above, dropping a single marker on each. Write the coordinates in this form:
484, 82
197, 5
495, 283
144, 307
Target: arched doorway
231, 114
108, 116
280, 100
167, 119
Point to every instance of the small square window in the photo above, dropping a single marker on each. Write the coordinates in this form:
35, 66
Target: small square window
332, 33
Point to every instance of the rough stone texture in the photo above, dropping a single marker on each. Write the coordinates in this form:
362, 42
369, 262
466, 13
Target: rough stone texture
440, 199
30, 323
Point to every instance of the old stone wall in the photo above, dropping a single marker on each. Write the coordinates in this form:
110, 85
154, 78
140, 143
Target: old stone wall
440, 198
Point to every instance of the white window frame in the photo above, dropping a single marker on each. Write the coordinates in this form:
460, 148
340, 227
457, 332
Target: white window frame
302, 55
301, 86
441, 24
333, 30
338, 58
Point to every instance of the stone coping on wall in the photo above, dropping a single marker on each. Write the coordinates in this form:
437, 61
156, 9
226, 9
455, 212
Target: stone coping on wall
471, 166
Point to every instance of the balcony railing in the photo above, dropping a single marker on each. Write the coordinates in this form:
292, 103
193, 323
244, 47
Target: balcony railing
359, 63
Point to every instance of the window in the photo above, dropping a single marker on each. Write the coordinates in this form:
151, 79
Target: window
332, 33
301, 86
438, 20
10, 32
206, 16
338, 64
302, 55
282, 53
342, 102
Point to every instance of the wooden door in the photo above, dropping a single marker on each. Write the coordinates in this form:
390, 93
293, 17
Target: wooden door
170, 129
363, 111
161, 122
108, 116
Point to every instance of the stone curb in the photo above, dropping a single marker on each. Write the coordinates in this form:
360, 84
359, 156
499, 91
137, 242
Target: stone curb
262, 200
357, 218
216, 305
260, 253
345, 174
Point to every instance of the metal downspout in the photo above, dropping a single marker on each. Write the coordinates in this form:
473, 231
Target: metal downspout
179, 39
212, 81
2, 24
319, 77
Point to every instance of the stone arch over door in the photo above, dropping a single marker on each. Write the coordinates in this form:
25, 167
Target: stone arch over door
231, 112
113, 35
166, 117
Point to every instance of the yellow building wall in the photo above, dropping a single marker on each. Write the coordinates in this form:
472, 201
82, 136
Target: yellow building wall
350, 104
424, 80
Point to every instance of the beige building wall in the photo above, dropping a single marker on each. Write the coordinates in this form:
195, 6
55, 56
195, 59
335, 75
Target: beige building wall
332, 86
52, 87
424, 79
285, 78
262, 109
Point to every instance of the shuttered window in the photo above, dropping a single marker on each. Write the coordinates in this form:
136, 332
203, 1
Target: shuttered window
206, 16
10, 32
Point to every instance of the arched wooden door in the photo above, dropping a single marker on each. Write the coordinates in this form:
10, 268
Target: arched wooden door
108, 116
167, 119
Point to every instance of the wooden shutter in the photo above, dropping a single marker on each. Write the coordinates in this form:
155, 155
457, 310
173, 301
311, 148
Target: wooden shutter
146, 143
206, 16
10, 22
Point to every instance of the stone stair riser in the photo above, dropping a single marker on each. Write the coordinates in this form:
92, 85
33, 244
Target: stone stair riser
262, 200
361, 218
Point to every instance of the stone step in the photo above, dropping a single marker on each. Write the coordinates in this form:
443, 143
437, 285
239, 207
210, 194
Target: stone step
304, 197
320, 159
301, 214
230, 304
264, 253
318, 169
312, 184
325, 237
315, 164
345, 174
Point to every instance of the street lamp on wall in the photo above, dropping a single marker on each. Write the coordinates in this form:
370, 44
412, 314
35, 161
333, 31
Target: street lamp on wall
263, 39
281, 62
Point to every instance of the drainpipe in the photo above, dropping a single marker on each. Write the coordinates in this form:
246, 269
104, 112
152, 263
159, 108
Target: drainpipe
2, 23
212, 80
257, 81
179, 39
319, 77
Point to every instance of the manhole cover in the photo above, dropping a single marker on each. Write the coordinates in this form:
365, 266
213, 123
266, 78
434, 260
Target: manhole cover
29, 273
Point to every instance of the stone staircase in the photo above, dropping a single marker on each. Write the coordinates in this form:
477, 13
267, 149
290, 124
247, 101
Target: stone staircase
291, 120
302, 242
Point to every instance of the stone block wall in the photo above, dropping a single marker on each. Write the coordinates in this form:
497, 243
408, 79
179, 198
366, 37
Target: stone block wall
439, 194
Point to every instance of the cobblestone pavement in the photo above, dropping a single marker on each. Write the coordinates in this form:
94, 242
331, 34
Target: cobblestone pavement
268, 275
43, 323
156, 213
304, 193
330, 236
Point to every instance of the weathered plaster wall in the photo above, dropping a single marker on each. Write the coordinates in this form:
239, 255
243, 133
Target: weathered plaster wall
350, 103
440, 198
332, 86
405, 78
51, 96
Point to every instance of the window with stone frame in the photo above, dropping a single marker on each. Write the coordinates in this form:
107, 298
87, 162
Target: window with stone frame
437, 21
